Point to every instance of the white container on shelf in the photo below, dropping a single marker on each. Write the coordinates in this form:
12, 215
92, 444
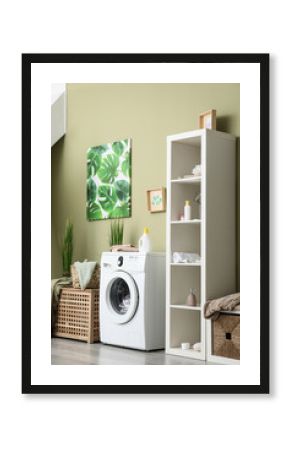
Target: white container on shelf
144, 242
187, 210
185, 345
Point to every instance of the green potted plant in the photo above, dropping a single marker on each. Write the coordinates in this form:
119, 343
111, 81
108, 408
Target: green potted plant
67, 248
116, 232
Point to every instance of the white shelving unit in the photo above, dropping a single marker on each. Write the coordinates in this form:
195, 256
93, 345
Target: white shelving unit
211, 233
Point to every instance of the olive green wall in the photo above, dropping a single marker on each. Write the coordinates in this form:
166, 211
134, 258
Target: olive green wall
147, 113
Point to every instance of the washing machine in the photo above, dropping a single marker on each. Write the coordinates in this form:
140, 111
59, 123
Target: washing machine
132, 300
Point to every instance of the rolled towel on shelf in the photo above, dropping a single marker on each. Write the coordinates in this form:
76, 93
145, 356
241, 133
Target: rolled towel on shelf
196, 171
181, 257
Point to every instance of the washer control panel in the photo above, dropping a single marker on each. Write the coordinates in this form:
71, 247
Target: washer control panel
127, 261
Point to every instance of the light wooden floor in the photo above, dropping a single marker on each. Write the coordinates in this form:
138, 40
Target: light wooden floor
67, 351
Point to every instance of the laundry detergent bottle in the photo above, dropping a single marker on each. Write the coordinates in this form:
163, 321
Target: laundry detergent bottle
144, 242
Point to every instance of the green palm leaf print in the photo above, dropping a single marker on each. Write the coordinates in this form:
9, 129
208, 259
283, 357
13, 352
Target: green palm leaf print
109, 180
109, 169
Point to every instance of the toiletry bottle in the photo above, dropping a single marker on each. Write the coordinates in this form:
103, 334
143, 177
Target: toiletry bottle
144, 242
191, 299
187, 210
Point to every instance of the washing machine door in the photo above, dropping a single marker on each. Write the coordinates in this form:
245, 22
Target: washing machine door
122, 297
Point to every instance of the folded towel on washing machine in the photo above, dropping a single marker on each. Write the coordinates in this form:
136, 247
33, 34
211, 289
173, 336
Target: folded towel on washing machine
124, 248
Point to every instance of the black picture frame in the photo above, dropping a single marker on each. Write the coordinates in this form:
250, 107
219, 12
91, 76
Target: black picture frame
263, 61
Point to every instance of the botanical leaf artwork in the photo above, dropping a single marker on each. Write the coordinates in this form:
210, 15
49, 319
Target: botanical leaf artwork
156, 200
109, 181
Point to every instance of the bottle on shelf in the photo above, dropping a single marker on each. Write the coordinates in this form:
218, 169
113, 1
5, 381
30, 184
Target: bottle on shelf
191, 299
187, 210
144, 242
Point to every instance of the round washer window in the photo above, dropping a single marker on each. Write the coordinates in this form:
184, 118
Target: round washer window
120, 296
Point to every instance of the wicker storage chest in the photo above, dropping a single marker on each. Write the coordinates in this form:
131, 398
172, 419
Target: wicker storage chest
226, 336
77, 315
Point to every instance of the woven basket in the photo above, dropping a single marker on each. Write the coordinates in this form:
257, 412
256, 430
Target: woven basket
226, 336
94, 281
77, 315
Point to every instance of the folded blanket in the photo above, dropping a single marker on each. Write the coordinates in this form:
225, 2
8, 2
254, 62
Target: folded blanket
85, 271
56, 287
212, 308
124, 248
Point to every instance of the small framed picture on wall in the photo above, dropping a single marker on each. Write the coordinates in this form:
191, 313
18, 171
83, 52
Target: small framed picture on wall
156, 200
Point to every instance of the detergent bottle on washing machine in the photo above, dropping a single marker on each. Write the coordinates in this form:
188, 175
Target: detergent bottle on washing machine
144, 242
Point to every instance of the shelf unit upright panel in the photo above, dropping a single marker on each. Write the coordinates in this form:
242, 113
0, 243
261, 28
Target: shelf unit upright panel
215, 239
184, 323
220, 235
